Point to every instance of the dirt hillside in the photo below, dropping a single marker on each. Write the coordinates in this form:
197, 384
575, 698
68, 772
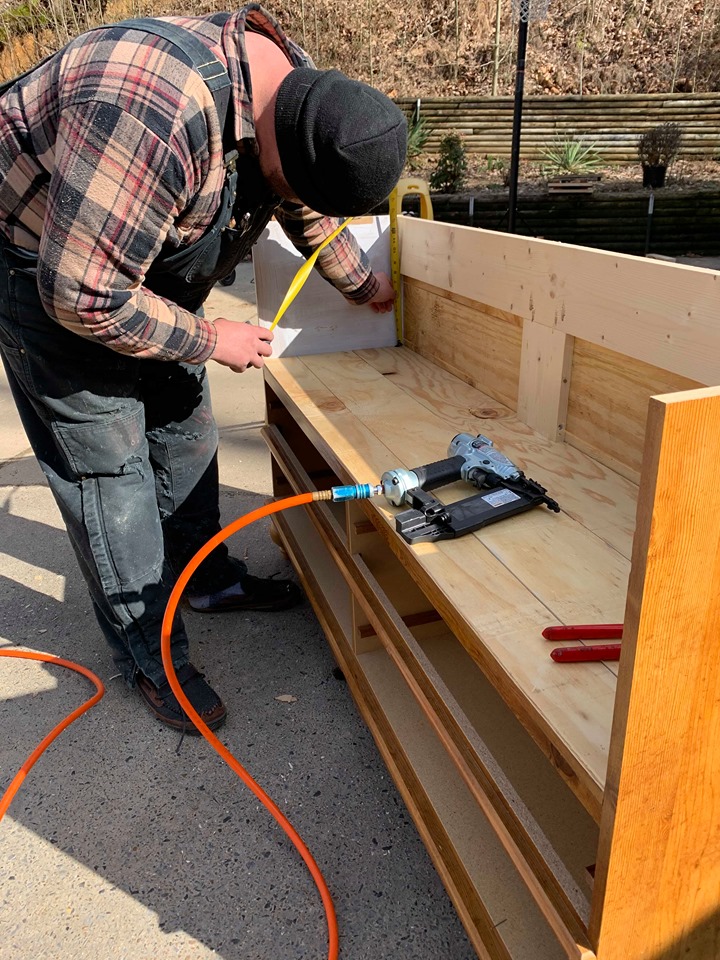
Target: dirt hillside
444, 47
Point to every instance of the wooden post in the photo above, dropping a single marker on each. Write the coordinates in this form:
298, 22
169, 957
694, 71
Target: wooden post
544, 379
657, 889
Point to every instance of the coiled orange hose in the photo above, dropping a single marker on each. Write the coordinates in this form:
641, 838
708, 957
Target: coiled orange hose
194, 716
17, 780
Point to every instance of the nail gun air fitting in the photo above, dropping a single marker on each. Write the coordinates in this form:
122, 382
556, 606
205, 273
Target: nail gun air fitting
504, 491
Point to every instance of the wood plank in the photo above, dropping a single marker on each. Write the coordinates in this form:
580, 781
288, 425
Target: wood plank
608, 402
443, 812
595, 495
592, 496
470, 581
563, 904
453, 399
479, 345
544, 379
588, 491
406, 598
657, 886
411, 621
661, 313
567, 826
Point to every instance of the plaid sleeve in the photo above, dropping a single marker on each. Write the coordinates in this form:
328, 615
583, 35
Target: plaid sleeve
342, 263
114, 194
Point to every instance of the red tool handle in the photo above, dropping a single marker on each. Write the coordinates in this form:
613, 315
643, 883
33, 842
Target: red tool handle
591, 631
601, 651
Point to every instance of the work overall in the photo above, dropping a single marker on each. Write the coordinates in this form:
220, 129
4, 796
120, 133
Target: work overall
129, 446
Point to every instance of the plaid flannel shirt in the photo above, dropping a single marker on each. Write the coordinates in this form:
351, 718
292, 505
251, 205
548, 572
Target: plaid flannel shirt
113, 148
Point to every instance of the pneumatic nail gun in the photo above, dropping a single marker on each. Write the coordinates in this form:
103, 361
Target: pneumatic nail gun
504, 491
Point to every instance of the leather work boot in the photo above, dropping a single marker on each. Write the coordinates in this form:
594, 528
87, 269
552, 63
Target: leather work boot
161, 701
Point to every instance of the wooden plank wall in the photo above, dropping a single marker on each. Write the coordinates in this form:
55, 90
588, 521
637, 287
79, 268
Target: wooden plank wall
493, 363
613, 122
608, 403
574, 340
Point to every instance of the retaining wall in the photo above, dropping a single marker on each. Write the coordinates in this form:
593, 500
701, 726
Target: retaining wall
682, 223
612, 123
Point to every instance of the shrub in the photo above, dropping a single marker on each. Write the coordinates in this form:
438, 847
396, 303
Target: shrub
573, 156
449, 174
659, 146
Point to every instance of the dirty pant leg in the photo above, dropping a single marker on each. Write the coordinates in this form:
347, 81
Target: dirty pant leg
81, 407
183, 441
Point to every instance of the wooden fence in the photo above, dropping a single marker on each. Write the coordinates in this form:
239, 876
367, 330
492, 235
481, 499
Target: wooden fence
612, 123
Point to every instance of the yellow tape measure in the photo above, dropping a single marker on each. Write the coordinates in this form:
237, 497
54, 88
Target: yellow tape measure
304, 272
405, 187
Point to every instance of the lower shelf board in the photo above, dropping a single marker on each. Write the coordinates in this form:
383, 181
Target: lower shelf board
571, 831
516, 920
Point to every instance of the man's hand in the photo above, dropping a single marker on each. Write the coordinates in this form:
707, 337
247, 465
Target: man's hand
241, 345
383, 300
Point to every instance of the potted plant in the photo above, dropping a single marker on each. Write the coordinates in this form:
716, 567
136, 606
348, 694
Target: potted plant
657, 148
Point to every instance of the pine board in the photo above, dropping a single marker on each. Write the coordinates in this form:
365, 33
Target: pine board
499, 587
664, 314
608, 403
479, 345
658, 882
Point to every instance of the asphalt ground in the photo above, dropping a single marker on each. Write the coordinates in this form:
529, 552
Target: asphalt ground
125, 843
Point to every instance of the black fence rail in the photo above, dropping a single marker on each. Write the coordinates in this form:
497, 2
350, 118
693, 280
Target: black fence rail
612, 123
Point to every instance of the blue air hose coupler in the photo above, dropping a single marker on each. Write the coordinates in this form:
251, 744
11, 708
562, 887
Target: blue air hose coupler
360, 491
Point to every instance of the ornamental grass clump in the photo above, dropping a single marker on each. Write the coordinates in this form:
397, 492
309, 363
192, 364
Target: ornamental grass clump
573, 156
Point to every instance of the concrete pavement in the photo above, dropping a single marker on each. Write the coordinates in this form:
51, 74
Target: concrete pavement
127, 845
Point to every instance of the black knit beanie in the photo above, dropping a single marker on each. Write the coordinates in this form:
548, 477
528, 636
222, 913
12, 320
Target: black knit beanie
342, 143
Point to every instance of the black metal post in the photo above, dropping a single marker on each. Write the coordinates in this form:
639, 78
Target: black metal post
648, 227
517, 114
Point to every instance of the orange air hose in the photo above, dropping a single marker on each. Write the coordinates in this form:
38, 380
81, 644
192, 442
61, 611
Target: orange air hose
17, 780
194, 716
